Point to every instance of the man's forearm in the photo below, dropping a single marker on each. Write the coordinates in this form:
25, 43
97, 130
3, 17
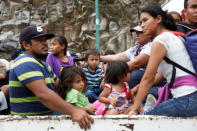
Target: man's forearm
56, 103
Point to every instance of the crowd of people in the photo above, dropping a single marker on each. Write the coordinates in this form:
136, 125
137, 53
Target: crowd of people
43, 83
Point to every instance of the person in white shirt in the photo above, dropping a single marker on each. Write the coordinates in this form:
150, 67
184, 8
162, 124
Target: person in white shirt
159, 25
136, 57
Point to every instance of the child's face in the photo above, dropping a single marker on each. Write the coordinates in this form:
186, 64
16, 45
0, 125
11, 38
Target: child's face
93, 61
56, 47
127, 77
78, 83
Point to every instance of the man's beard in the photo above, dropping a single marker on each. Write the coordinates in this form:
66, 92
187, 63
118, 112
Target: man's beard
39, 56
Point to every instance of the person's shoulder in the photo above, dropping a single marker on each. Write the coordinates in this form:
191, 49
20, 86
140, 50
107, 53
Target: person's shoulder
147, 45
4, 61
25, 61
73, 93
70, 57
184, 27
99, 70
164, 35
85, 68
50, 55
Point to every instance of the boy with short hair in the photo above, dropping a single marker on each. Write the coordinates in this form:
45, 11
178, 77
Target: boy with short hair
93, 73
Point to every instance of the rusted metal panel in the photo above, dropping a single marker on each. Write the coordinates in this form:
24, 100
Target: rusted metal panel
102, 123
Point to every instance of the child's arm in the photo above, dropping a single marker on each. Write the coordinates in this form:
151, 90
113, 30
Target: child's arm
103, 97
132, 96
134, 90
89, 109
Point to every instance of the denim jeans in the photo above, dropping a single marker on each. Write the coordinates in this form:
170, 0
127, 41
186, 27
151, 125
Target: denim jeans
56, 113
92, 94
154, 91
135, 78
185, 106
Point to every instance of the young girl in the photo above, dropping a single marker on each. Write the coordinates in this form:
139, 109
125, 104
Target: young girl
116, 94
57, 58
72, 86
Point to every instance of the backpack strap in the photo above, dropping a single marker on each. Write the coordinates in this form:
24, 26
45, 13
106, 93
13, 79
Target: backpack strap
179, 66
173, 72
177, 33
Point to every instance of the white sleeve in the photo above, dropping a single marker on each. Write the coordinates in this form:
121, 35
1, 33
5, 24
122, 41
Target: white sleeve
163, 39
108, 86
146, 49
6, 63
130, 53
3, 101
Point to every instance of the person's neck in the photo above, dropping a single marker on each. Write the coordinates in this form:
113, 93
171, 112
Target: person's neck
119, 86
190, 23
160, 30
39, 58
120, 83
91, 69
61, 55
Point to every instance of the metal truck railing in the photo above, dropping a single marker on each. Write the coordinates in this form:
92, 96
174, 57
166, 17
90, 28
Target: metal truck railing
101, 123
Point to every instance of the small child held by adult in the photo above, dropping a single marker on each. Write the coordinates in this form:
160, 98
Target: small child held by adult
116, 94
72, 87
58, 58
93, 73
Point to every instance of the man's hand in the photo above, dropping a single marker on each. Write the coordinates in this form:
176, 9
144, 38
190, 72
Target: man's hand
82, 118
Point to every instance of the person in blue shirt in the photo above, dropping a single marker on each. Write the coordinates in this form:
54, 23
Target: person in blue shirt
32, 82
93, 73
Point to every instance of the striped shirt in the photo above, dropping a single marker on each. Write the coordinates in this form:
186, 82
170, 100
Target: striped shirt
93, 79
25, 69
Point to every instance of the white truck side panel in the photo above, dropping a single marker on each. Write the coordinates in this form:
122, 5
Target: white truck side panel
101, 123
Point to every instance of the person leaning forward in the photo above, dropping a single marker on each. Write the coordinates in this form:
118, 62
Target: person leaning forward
32, 82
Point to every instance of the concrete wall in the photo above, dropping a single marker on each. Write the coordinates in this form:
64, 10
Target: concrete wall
109, 123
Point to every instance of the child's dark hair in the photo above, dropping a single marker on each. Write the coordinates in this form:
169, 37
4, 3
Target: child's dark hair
116, 71
109, 52
92, 52
67, 76
167, 20
62, 40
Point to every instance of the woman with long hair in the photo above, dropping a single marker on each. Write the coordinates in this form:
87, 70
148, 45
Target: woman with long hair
160, 26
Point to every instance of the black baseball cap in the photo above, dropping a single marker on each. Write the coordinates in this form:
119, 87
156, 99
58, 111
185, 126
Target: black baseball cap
31, 32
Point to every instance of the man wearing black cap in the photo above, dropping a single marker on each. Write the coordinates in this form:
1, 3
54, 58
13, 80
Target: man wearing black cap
32, 82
